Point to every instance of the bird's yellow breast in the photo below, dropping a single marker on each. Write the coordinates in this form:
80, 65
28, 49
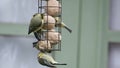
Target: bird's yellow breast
40, 55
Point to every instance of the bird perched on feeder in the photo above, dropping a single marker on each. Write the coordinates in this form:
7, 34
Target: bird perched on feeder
36, 25
53, 36
43, 46
53, 8
47, 60
40, 23
59, 23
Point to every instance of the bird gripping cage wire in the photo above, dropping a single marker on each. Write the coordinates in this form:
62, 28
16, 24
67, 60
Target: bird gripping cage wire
52, 10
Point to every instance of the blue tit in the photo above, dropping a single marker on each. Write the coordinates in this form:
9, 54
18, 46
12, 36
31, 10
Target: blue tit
47, 60
36, 25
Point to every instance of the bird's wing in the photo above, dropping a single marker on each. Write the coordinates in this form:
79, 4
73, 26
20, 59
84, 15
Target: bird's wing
34, 27
49, 58
47, 63
35, 23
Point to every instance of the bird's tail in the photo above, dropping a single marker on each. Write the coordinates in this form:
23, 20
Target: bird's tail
63, 25
51, 66
68, 29
59, 64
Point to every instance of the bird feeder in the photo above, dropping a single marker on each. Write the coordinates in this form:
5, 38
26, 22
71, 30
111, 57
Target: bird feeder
49, 8
46, 25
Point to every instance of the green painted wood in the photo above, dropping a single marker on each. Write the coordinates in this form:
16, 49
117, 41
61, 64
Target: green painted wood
88, 39
100, 34
13, 29
79, 34
105, 43
109, 35
114, 36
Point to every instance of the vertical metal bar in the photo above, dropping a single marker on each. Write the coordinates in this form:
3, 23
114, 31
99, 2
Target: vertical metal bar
61, 22
41, 6
38, 6
59, 28
47, 24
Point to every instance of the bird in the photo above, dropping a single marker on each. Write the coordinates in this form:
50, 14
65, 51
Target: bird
60, 24
53, 8
43, 46
46, 60
36, 25
48, 24
41, 23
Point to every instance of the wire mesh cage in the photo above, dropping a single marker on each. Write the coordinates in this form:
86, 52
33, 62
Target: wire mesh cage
43, 8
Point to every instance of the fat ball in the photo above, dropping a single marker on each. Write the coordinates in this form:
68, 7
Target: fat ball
49, 22
53, 36
43, 46
53, 8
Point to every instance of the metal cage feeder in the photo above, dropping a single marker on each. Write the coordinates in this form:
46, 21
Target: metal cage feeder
41, 8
